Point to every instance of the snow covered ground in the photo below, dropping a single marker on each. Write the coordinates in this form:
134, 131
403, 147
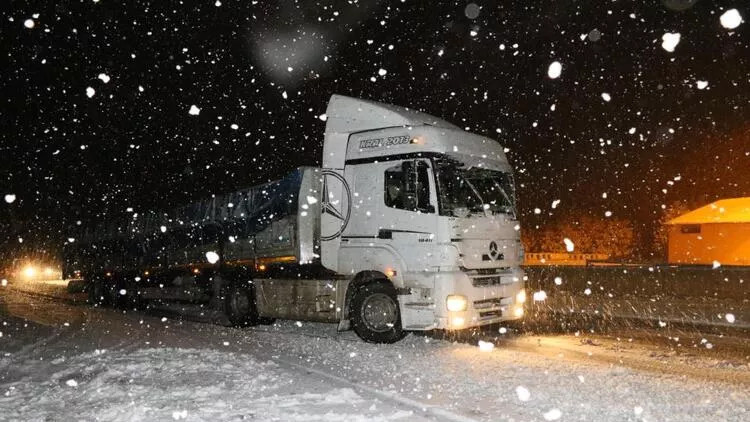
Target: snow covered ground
179, 383
66, 362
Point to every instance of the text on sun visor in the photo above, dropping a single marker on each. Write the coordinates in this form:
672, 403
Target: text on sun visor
383, 142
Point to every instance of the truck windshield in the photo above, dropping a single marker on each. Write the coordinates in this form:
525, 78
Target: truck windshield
464, 192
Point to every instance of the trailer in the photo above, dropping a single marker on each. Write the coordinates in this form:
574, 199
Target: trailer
410, 224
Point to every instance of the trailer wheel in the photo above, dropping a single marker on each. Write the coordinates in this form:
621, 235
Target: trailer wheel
134, 298
240, 306
266, 320
375, 313
112, 293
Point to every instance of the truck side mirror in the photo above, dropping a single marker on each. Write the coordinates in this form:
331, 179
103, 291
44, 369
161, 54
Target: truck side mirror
415, 186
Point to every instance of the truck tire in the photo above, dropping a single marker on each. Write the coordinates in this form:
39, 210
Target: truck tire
95, 290
375, 313
239, 305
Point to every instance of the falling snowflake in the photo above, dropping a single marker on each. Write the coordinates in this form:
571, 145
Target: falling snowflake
552, 415
103, 77
179, 414
730, 19
10, 198
554, 70
606, 97
29, 23
523, 393
701, 84
540, 296
194, 110
486, 346
729, 318
212, 257
670, 40
472, 10
90, 92
569, 246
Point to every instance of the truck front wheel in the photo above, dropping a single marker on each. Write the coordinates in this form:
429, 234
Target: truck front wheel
375, 313
240, 306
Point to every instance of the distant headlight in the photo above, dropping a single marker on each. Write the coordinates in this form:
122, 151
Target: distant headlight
29, 271
521, 296
456, 303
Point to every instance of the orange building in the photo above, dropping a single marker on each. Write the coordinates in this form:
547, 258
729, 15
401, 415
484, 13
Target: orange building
716, 232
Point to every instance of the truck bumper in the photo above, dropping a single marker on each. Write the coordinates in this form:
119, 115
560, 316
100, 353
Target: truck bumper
485, 304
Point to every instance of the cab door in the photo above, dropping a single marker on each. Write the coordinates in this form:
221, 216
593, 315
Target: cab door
393, 217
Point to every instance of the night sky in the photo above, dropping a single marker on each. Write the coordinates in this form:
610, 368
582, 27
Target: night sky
261, 73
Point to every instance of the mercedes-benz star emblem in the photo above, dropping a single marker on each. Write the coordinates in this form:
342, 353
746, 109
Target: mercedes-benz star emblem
339, 210
493, 250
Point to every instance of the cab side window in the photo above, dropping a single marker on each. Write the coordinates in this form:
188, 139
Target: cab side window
407, 186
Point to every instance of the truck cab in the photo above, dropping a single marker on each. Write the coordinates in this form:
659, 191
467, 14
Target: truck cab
427, 204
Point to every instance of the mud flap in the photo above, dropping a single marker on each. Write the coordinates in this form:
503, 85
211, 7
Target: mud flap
345, 325
219, 288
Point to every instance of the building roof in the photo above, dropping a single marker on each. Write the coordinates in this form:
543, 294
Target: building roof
734, 210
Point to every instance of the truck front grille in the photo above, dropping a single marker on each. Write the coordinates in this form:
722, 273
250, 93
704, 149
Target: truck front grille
492, 303
490, 314
482, 281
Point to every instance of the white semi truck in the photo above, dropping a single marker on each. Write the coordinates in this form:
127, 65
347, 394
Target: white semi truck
410, 224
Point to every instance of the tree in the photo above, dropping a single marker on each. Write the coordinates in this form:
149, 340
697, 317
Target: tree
610, 236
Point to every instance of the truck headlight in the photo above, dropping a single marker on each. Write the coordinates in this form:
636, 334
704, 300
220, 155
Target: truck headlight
457, 322
521, 296
456, 303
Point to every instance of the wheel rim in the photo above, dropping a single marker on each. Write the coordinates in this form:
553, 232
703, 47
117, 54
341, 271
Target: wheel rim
240, 303
379, 312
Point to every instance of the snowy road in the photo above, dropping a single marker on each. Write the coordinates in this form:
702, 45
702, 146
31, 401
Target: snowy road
62, 362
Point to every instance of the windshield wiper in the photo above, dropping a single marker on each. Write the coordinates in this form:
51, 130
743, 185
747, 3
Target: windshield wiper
509, 208
476, 192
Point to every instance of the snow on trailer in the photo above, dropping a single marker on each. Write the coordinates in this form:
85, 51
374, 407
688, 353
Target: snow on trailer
410, 224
